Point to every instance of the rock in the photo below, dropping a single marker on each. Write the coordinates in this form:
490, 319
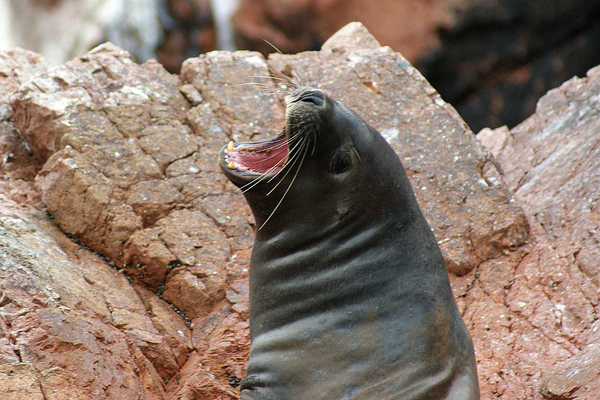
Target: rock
408, 26
71, 326
124, 266
492, 60
464, 201
576, 377
551, 162
106, 164
18, 166
62, 307
21, 381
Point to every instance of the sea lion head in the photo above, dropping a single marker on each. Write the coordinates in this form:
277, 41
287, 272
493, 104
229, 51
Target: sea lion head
327, 158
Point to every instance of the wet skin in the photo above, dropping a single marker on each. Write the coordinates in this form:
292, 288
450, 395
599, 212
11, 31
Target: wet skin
349, 296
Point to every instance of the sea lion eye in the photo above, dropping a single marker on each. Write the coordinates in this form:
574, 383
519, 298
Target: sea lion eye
340, 163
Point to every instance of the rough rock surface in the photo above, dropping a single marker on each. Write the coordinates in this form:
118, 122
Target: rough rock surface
552, 164
125, 251
492, 60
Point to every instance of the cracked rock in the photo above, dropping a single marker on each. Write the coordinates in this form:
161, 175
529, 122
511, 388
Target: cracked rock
124, 252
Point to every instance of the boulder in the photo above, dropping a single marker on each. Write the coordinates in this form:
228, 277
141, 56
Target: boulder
492, 60
551, 162
125, 252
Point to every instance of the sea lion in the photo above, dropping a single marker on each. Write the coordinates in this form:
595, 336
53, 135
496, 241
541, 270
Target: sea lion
349, 296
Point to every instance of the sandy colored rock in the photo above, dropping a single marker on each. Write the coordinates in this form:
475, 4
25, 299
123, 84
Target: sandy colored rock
148, 295
200, 383
552, 162
492, 60
71, 326
20, 381
61, 310
17, 164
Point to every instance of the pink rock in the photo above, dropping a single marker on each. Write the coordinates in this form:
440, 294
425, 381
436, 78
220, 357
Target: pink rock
125, 163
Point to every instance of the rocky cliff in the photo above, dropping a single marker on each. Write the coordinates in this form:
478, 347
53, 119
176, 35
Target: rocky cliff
492, 60
124, 252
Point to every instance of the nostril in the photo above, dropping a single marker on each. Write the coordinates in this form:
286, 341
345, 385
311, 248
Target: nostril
314, 96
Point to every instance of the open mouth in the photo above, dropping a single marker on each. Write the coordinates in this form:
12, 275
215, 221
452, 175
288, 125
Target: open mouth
263, 158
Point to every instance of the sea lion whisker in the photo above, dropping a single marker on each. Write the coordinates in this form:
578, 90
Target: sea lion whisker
273, 88
301, 79
260, 84
268, 158
287, 190
277, 167
266, 174
291, 163
268, 90
279, 79
296, 135
279, 146
282, 77
263, 175
273, 46
261, 178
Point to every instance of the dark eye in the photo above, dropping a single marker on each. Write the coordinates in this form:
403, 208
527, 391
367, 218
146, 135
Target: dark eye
340, 163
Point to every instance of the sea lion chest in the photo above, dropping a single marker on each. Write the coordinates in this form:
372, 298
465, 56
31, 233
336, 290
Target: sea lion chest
337, 316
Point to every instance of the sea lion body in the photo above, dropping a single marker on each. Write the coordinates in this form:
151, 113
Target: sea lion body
349, 296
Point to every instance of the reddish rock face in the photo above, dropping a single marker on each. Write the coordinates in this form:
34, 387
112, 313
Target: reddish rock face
552, 164
293, 26
124, 160
492, 60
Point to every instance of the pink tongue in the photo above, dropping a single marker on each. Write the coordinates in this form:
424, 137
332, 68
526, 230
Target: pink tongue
267, 161
262, 158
